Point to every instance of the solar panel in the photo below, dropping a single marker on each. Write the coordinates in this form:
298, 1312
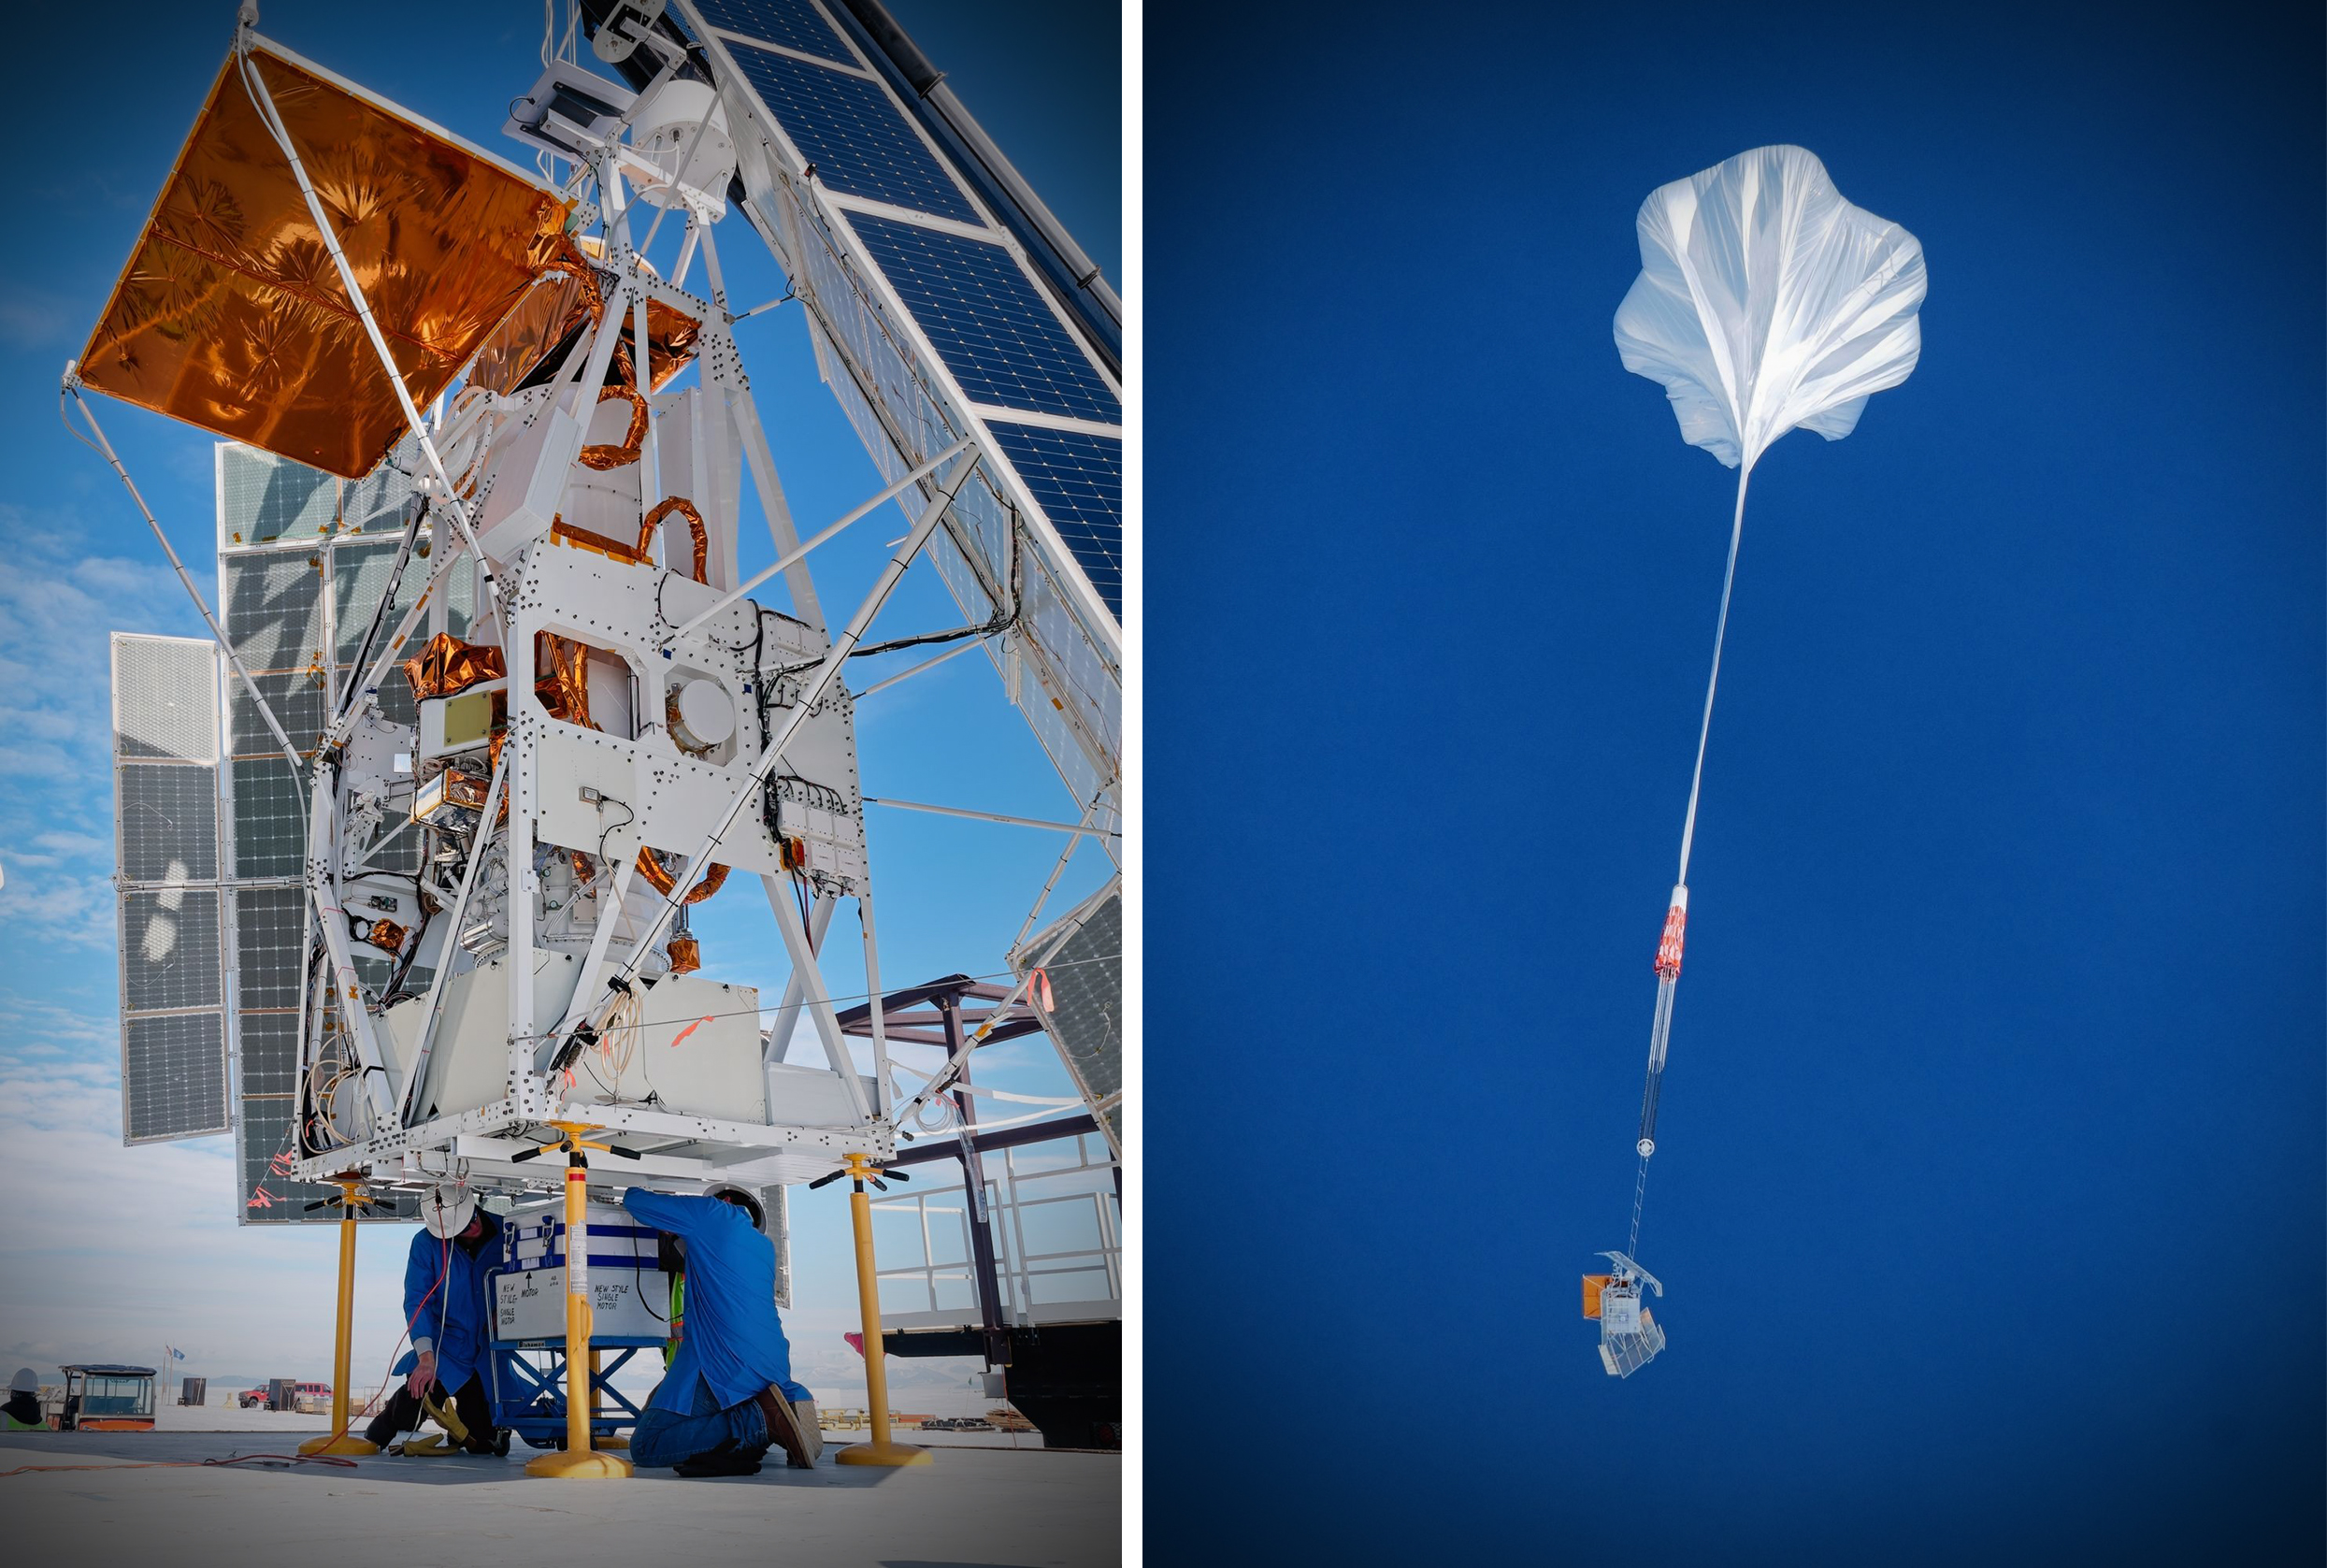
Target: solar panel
845, 125
993, 329
793, 23
173, 1077
266, 1152
267, 1051
381, 501
296, 699
359, 576
274, 607
171, 956
270, 924
1076, 478
1085, 1019
268, 826
165, 865
166, 823
262, 497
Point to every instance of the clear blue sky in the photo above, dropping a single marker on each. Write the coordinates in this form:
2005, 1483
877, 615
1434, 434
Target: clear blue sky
106, 1252
1990, 1189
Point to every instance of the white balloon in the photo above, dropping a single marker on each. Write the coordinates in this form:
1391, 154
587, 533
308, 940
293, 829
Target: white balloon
1767, 303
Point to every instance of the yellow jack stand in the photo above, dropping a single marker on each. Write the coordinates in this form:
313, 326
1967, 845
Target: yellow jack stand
880, 1451
613, 1440
579, 1462
338, 1440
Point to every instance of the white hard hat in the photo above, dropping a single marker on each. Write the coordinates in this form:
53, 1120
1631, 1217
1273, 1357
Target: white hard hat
26, 1381
447, 1211
748, 1200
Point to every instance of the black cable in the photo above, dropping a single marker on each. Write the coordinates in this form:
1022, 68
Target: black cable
1001, 621
609, 800
387, 598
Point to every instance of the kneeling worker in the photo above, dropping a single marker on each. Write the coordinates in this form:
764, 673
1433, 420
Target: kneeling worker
728, 1394
452, 1321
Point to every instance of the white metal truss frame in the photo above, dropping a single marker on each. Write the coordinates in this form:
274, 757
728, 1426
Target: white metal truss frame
483, 1143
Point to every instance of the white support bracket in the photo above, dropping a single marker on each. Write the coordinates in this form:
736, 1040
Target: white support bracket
818, 1000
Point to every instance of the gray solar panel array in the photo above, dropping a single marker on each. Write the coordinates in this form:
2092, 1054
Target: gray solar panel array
174, 1074
932, 320
303, 560
1082, 957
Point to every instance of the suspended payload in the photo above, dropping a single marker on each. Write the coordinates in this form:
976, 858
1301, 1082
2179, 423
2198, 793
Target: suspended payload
1765, 303
1628, 1335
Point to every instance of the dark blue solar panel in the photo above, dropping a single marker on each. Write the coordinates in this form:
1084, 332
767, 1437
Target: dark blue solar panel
847, 127
1077, 479
793, 23
996, 334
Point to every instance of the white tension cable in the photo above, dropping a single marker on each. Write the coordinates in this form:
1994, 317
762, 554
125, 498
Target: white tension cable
1765, 303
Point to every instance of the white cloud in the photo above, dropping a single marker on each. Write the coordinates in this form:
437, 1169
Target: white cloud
57, 608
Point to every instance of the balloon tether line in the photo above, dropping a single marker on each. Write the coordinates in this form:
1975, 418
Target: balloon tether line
1668, 951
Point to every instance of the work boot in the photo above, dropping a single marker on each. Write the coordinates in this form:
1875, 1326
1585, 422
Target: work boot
811, 1430
784, 1429
725, 1459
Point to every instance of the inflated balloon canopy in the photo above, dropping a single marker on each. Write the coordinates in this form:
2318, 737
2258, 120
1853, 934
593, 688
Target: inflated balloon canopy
1767, 303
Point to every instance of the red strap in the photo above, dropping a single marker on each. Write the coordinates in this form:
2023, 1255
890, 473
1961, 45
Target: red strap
1669, 945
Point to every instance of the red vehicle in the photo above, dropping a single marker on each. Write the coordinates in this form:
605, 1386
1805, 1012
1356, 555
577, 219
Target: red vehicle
303, 1393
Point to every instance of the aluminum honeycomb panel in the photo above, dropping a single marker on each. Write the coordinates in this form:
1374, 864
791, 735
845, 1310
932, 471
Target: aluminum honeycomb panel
164, 697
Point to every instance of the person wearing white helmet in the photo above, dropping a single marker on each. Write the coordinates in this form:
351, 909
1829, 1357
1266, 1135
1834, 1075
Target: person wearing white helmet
21, 1411
451, 1324
728, 1395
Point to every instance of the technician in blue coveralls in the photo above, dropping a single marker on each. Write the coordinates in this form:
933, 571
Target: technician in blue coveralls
451, 1319
728, 1395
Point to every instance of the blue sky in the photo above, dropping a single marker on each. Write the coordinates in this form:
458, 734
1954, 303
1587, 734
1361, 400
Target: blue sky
109, 1252
1988, 1189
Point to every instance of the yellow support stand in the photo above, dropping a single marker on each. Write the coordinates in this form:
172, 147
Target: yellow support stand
579, 1462
880, 1451
613, 1440
337, 1441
